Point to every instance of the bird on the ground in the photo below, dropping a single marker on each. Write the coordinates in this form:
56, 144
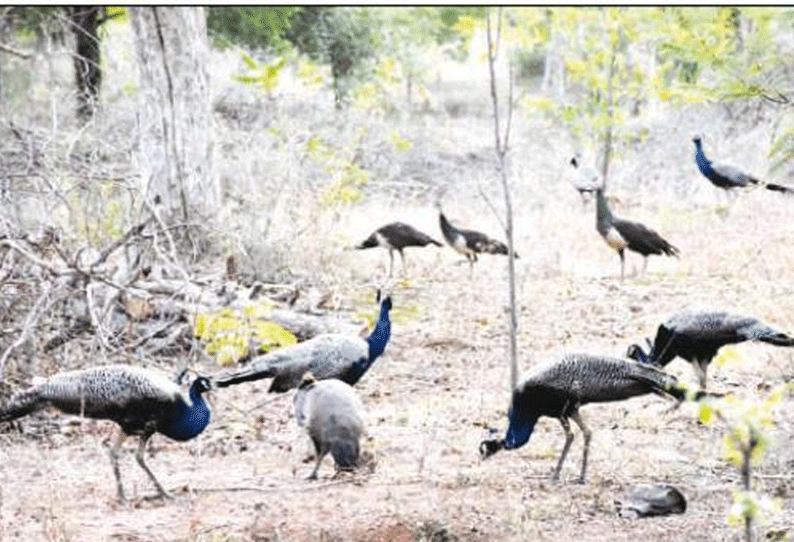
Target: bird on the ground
696, 336
559, 388
587, 180
469, 242
622, 234
728, 177
333, 416
333, 355
141, 401
397, 236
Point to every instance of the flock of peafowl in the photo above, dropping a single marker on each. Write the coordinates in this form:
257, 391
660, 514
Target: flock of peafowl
324, 370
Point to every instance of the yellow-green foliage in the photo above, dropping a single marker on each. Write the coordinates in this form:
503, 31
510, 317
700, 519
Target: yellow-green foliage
265, 75
727, 355
347, 175
398, 315
117, 14
750, 422
228, 332
400, 143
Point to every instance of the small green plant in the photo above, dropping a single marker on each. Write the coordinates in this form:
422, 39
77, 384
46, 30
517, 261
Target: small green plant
348, 177
228, 333
265, 76
750, 422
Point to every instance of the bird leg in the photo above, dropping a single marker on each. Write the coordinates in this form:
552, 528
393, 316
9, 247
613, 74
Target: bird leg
114, 461
320, 456
587, 435
644, 264
402, 258
622, 263
142, 440
391, 261
566, 425
701, 365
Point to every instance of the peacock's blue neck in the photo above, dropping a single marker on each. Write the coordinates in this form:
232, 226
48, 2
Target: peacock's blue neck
380, 335
644, 358
704, 164
519, 430
356, 370
188, 421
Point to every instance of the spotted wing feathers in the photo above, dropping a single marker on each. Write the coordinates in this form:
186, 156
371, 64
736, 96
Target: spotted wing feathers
326, 356
98, 392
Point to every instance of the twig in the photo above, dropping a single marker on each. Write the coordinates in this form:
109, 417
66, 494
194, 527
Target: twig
27, 327
107, 251
8, 49
101, 332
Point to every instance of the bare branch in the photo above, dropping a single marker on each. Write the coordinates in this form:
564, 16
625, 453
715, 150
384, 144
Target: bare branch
10, 50
27, 328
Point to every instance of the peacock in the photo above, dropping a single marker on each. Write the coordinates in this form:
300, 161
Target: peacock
469, 242
560, 387
332, 355
397, 236
697, 335
333, 416
623, 234
141, 401
728, 177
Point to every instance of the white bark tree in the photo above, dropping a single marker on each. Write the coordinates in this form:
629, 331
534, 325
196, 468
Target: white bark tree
175, 153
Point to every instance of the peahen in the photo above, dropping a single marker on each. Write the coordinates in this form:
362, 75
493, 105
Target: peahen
559, 388
623, 234
697, 335
587, 180
141, 401
397, 236
332, 355
333, 416
469, 242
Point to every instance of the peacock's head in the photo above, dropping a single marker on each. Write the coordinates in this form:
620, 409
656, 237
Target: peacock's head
201, 384
636, 353
307, 380
490, 447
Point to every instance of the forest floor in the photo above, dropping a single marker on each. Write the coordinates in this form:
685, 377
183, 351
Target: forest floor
443, 380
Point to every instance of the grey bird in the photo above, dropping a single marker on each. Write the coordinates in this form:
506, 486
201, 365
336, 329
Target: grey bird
332, 355
559, 388
697, 335
141, 401
333, 416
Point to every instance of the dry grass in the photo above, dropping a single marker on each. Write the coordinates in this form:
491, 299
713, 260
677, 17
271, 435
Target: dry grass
443, 378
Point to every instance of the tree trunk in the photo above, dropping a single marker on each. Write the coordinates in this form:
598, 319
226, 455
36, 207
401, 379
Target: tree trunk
175, 153
88, 73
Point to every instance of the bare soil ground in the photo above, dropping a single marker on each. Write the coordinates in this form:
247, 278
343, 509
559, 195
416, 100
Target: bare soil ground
444, 377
